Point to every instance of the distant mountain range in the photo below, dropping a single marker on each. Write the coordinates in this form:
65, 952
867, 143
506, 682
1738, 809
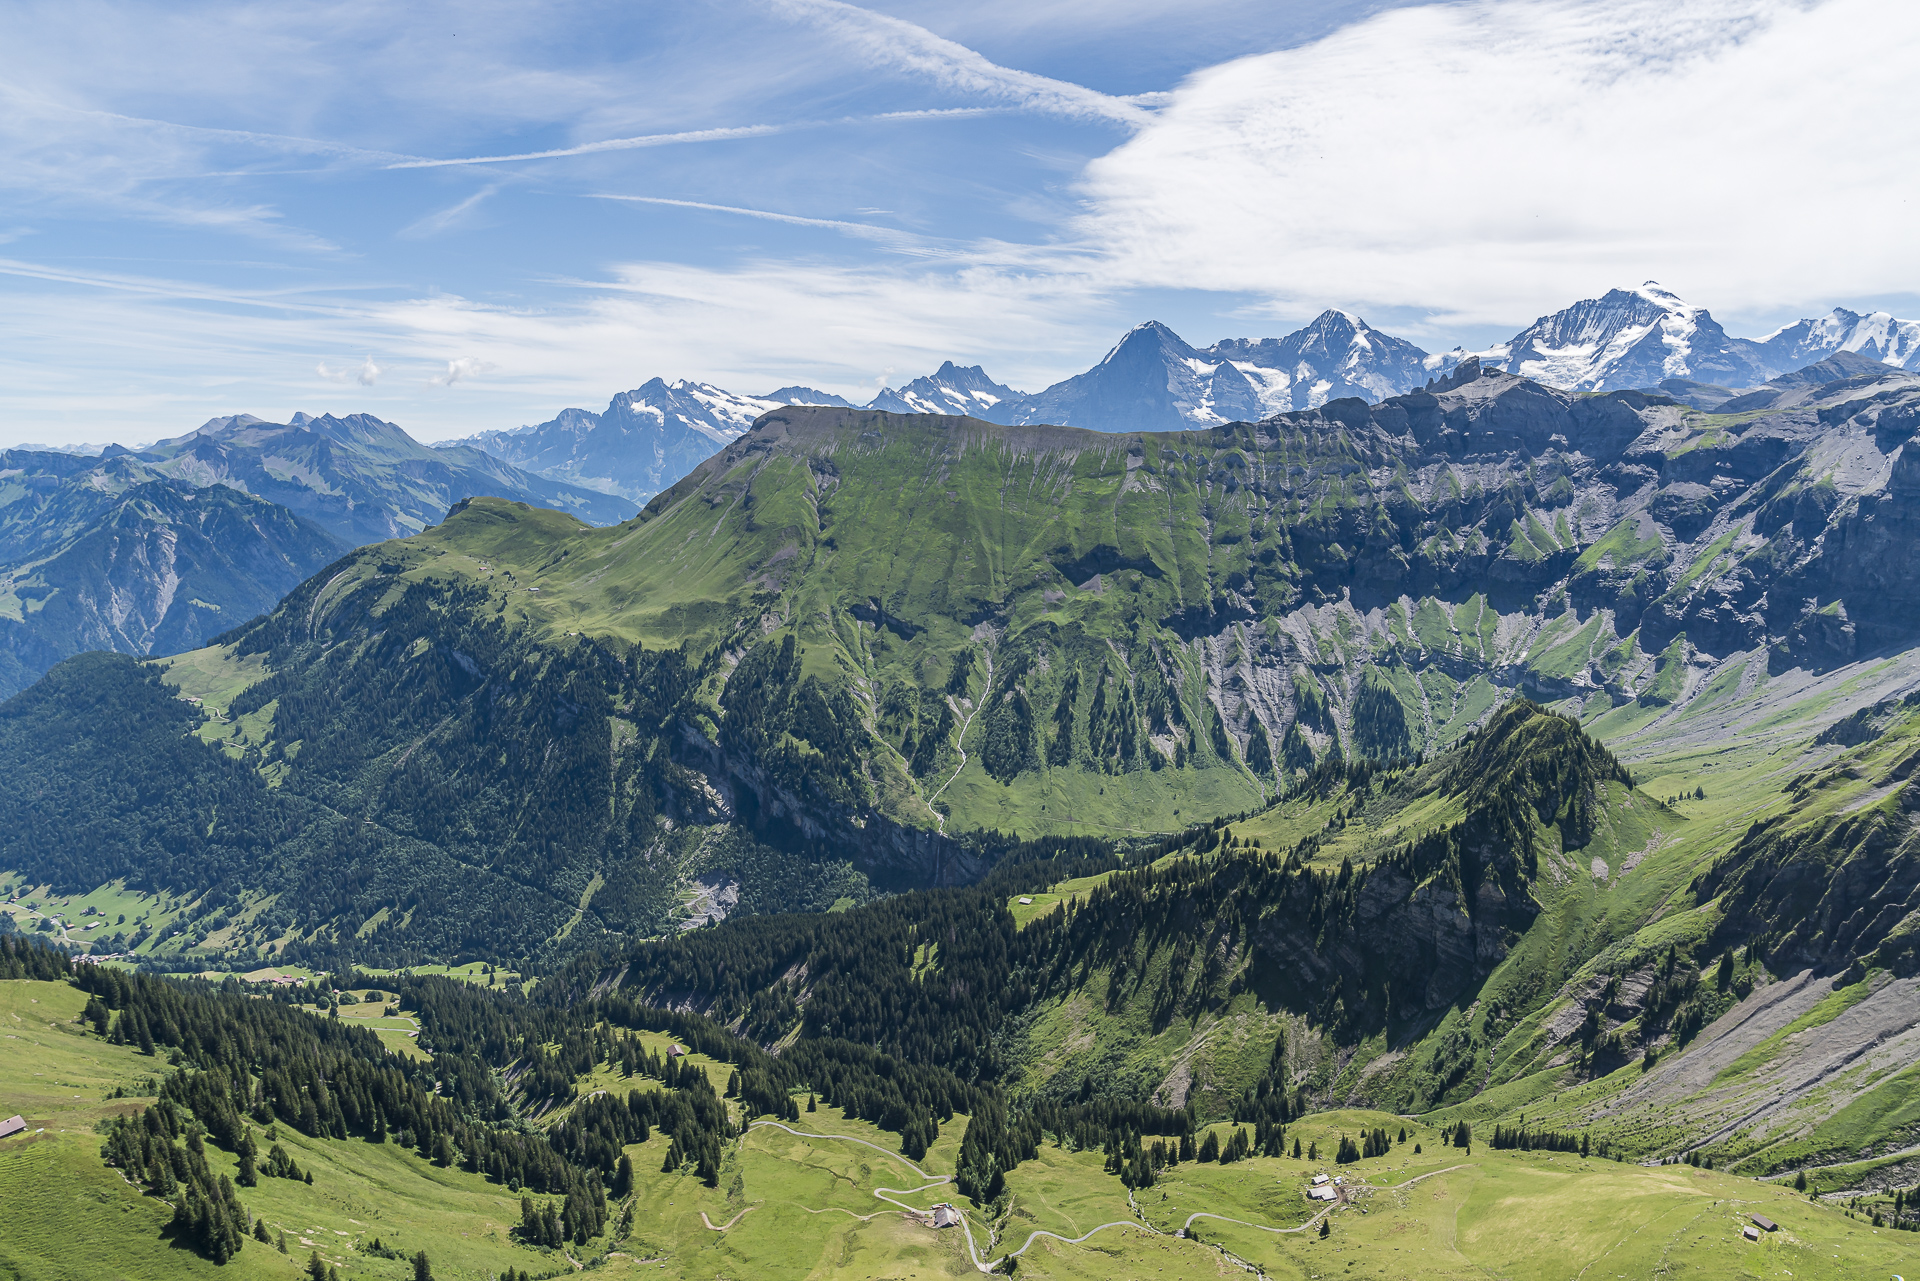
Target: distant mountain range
105, 553
130, 551
159, 551
1153, 380
361, 479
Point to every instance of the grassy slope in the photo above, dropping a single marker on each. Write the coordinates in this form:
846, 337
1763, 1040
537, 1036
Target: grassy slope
943, 524
1612, 908
810, 1210
69, 1216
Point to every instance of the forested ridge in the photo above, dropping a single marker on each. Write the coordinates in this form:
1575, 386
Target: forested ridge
436, 785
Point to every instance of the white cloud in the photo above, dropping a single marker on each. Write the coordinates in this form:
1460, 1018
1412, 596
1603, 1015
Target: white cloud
366, 375
93, 348
1491, 160
462, 368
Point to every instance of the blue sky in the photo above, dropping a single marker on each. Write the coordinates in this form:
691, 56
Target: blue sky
468, 216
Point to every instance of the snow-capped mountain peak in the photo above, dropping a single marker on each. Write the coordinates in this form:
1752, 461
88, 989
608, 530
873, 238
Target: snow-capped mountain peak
1337, 354
1877, 334
1646, 336
1630, 338
642, 442
950, 389
1151, 380
797, 395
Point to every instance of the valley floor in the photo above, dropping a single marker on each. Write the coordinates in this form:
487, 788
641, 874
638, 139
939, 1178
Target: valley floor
829, 1197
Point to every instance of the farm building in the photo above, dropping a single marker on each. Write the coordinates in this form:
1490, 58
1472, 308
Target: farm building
1323, 1193
12, 1125
1765, 1224
676, 1051
1750, 1232
945, 1216
1318, 1179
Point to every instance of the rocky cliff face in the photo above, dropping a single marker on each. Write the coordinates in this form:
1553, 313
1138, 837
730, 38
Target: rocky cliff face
159, 568
1486, 528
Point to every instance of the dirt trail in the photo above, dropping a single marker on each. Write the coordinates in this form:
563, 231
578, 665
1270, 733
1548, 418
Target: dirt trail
960, 744
973, 1249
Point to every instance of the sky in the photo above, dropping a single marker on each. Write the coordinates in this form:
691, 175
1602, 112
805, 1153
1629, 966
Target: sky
468, 216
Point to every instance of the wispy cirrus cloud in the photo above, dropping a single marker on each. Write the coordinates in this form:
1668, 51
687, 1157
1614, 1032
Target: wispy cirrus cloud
893, 237
882, 39
454, 215
681, 138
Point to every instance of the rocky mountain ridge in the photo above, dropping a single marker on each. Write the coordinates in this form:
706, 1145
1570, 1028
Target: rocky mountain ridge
105, 553
157, 551
362, 479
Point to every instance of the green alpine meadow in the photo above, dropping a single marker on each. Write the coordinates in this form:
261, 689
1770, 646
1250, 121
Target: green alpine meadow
1470, 833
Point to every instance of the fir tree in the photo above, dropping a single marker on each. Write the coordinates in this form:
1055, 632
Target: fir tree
623, 1177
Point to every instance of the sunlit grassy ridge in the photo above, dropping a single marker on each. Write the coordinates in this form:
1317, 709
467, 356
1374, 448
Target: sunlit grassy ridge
1046, 563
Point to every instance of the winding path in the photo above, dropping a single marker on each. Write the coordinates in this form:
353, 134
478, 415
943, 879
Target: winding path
973, 1250
960, 745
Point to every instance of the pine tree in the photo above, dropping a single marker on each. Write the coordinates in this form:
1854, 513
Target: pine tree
1326, 1229
623, 1177
422, 1270
260, 1232
246, 1176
